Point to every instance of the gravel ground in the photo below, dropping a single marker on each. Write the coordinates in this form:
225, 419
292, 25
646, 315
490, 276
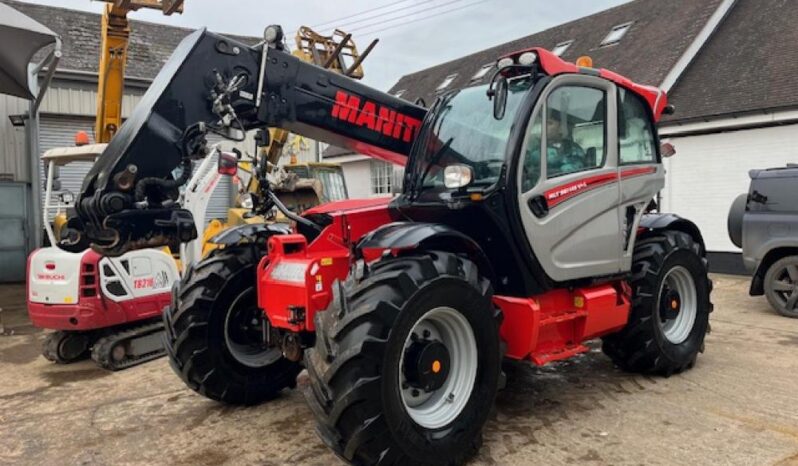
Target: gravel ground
739, 405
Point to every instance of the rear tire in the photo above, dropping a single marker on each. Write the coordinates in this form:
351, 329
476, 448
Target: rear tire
781, 286
670, 307
734, 222
372, 402
210, 359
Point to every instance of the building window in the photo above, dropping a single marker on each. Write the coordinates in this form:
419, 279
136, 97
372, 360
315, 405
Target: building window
560, 48
399, 93
446, 82
482, 72
381, 177
616, 34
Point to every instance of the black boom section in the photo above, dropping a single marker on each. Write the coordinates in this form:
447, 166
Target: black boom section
178, 98
326, 106
211, 84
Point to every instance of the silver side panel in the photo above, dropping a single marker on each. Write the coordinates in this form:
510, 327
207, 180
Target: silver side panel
579, 237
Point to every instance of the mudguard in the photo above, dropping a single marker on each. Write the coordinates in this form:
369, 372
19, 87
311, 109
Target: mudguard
403, 236
246, 233
654, 223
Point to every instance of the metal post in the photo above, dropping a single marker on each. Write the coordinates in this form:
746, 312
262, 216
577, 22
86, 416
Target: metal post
32, 133
34, 164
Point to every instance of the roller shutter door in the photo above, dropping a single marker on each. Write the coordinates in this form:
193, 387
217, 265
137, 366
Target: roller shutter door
60, 132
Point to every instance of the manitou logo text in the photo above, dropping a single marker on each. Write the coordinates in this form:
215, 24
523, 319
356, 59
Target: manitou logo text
375, 117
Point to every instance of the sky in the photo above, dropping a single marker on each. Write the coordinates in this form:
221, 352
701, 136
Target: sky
414, 34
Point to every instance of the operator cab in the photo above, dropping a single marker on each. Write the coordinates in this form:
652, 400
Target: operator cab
554, 163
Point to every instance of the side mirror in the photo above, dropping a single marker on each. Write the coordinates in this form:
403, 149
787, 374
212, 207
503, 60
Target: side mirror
666, 150
500, 98
228, 164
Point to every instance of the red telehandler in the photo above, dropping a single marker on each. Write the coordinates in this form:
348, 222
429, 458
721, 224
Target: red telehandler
524, 228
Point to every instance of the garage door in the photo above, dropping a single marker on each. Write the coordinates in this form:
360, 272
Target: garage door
60, 132
709, 171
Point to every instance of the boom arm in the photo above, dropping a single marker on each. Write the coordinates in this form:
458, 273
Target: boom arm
115, 34
215, 84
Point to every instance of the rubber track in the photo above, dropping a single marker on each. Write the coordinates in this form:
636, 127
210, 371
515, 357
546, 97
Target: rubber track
50, 348
101, 351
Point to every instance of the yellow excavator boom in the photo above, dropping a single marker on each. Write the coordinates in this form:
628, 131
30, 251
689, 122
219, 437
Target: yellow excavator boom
114, 36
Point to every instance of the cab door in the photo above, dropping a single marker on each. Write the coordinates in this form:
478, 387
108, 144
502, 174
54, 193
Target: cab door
641, 174
569, 195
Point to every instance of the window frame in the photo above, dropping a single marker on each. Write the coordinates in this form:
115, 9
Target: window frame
624, 27
447, 81
381, 177
544, 140
565, 45
482, 72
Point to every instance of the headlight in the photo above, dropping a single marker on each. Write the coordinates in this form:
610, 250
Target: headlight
527, 58
504, 62
273, 34
289, 272
457, 176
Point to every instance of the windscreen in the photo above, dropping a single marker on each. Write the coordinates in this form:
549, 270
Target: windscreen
464, 131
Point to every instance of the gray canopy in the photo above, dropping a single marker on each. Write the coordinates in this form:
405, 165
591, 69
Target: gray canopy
20, 38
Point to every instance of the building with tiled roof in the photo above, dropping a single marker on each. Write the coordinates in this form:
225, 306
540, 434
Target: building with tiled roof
728, 66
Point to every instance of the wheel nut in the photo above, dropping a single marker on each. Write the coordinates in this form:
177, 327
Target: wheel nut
426, 333
415, 393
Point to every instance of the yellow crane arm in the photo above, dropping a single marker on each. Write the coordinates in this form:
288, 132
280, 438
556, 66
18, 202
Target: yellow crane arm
111, 78
114, 35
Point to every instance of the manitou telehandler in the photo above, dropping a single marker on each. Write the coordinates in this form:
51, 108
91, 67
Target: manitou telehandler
524, 228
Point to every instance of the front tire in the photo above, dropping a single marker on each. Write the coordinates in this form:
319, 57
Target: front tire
670, 307
208, 339
406, 363
781, 286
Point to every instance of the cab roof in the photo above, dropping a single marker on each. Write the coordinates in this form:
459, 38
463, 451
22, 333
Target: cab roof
553, 65
65, 155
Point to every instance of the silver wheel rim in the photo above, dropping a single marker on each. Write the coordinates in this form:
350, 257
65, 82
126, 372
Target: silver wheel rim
440, 407
677, 330
247, 354
785, 286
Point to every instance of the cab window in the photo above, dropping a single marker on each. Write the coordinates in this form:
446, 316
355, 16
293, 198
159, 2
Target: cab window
575, 130
635, 135
530, 173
